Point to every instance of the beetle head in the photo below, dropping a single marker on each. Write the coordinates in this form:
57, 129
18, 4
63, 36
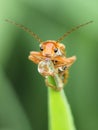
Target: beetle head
51, 48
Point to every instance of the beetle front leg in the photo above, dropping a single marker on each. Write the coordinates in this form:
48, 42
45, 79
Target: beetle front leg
36, 57
63, 61
70, 60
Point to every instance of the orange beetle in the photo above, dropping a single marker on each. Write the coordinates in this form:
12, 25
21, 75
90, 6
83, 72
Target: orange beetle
54, 51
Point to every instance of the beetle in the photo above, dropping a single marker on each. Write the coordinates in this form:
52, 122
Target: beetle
51, 50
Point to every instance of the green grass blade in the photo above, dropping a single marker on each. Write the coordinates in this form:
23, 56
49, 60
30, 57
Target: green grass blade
60, 116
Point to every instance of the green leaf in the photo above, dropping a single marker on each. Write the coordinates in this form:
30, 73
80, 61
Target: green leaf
60, 116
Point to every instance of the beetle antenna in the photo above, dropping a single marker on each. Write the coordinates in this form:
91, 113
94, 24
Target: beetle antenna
25, 29
72, 30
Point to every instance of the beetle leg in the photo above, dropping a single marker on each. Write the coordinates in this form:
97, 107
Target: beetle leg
52, 86
63, 61
65, 76
70, 61
36, 57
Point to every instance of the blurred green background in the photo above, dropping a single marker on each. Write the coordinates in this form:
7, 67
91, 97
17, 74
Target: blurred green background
23, 95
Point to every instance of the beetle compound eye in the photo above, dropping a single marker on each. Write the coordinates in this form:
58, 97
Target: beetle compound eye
55, 50
41, 48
